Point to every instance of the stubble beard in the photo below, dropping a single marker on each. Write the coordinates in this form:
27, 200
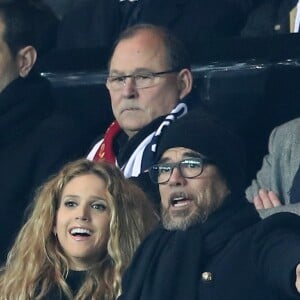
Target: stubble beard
187, 217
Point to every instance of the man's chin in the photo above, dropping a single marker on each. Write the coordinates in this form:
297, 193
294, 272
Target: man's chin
132, 129
181, 219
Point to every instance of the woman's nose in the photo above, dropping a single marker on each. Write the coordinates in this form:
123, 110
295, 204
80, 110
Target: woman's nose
82, 214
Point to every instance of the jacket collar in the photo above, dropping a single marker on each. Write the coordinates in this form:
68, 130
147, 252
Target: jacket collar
23, 104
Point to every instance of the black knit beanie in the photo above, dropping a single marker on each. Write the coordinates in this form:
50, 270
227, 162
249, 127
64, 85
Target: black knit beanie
208, 136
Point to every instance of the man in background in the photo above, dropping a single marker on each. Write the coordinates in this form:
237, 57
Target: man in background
34, 140
150, 85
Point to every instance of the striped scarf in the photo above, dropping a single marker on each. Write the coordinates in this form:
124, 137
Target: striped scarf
144, 155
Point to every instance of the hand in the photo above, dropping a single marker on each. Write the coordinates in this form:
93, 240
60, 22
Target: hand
297, 283
266, 199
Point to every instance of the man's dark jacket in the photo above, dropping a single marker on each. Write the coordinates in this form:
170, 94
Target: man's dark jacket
35, 142
232, 256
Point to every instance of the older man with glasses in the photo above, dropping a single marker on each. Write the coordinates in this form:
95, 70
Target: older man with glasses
212, 243
149, 81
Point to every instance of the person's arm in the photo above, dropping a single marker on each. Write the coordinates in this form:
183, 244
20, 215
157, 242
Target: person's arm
263, 178
278, 170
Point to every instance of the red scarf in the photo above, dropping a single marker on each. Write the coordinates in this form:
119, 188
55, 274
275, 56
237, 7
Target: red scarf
105, 151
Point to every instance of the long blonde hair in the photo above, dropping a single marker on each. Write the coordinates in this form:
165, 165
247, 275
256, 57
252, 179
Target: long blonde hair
36, 263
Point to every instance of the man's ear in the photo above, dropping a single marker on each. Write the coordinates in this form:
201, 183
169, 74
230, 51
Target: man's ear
26, 59
185, 82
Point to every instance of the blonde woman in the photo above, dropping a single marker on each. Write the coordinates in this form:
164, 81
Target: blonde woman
84, 227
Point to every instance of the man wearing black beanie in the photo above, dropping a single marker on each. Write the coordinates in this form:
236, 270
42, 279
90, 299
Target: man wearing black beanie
208, 136
212, 243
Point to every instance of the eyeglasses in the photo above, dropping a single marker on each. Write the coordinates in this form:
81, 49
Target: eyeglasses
188, 168
141, 80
